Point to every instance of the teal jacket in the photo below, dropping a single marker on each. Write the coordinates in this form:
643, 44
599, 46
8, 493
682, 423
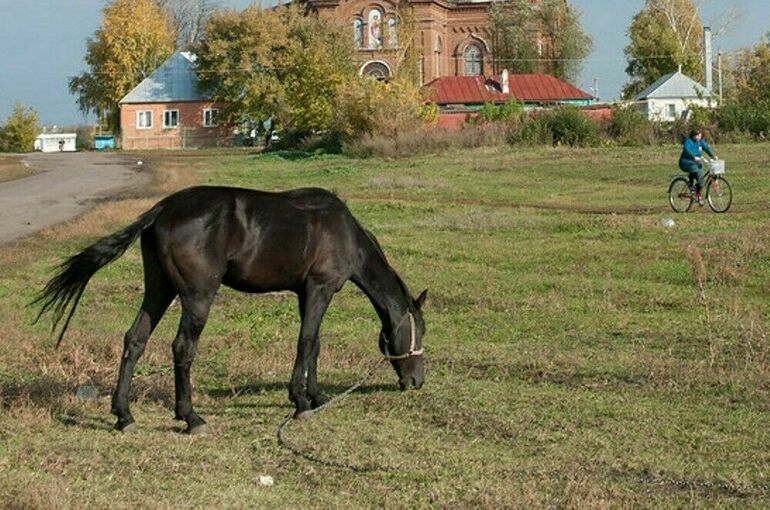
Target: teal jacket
691, 150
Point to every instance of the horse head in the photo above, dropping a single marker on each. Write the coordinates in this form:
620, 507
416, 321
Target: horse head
402, 345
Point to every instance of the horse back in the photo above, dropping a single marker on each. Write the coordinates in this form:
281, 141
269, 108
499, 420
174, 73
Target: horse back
256, 241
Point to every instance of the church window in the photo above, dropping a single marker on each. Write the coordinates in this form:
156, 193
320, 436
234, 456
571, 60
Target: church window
358, 32
375, 29
473, 60
376, 70
392, 32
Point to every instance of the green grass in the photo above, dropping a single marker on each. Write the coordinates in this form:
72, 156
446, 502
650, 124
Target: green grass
579, 354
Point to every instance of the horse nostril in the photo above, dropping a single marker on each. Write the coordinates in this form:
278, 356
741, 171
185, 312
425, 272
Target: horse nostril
418, 382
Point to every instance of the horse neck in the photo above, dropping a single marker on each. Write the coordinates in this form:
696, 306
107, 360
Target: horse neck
379, 281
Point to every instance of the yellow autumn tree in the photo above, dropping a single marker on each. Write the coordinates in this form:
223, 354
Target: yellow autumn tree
280, 63
134, 39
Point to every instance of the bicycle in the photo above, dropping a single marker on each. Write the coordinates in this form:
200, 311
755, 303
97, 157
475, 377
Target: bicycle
719, 193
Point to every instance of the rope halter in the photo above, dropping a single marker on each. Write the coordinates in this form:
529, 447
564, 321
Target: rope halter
413, 350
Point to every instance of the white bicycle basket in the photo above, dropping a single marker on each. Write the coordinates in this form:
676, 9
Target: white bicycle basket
717, 166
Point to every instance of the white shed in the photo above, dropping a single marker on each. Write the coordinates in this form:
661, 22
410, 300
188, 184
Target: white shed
671, 96
56, 142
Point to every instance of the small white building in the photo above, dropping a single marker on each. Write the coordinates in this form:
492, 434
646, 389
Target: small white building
56, 142
671, 96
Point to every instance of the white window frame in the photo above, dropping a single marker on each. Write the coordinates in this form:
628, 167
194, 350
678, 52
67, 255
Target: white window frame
210, 112
168, 113
671, 110
139, 115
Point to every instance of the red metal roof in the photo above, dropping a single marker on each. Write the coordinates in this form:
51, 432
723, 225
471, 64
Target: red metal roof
523, 87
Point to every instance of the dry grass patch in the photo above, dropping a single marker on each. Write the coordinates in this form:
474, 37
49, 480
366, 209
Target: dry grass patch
12, 167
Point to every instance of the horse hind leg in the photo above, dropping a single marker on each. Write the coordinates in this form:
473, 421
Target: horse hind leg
158, 294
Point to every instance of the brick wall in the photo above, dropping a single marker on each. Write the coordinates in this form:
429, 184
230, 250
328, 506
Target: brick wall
189, 132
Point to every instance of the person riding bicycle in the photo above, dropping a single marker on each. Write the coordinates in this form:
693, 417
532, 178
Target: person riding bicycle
691, 160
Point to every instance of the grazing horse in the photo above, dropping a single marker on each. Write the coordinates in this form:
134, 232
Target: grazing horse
304, 240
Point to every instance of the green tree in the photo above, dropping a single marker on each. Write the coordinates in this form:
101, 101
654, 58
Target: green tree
20, 130
544, 36
664, 35
134, 39
275, 63
750, 74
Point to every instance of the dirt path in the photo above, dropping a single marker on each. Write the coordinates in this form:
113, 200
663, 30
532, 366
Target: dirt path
64, 186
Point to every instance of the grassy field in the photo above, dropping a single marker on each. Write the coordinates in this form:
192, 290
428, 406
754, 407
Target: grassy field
579, 354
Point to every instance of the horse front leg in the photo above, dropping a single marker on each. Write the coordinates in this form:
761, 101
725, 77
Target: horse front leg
303, 388
317, 398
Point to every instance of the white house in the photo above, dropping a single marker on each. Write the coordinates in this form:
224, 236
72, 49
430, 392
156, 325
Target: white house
56, 142
671, 96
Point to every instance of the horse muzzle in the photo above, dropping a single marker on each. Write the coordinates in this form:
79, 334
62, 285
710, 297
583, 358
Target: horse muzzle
412, 382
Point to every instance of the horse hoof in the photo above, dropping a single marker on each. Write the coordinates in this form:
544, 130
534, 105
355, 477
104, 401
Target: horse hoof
129, 429
200, 430
320, 401
304, 415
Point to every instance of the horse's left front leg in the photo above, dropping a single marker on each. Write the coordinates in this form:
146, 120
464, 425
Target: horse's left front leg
303, 388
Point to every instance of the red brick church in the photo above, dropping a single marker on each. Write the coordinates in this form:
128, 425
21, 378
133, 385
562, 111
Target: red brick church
454, 36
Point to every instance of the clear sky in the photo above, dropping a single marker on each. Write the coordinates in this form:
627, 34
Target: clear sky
44, 42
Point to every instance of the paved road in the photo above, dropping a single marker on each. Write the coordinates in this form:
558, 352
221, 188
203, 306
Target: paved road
66, 184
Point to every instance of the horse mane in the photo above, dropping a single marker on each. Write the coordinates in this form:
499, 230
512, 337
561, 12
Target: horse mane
381, 253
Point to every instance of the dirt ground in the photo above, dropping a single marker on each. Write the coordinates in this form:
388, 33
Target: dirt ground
64, 185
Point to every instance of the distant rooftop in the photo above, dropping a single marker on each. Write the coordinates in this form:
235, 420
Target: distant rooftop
532, 88
174, 80
673, 85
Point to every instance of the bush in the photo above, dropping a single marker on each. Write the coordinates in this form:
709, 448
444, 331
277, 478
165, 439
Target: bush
629, 127
533, 131
20, 130
504, 112
369, 107
566, 125
752, 118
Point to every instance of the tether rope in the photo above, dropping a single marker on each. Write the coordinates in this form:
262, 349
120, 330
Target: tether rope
296, 450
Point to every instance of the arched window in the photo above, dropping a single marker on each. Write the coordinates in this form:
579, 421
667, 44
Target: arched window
358, 32
392, 32
376, 70
474, 60
375, 29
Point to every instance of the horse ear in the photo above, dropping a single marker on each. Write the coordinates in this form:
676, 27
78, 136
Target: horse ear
421, 299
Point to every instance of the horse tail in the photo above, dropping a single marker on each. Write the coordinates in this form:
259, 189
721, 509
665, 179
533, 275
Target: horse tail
67, 286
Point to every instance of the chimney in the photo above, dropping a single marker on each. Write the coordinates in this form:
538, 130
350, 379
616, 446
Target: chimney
707, 57
504, 86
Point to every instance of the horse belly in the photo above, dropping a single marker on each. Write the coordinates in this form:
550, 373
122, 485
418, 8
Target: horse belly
265, 273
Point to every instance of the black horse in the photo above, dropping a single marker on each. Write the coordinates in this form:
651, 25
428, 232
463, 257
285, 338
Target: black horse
304, 240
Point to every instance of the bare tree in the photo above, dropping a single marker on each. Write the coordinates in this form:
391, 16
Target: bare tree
687, 26
189, 17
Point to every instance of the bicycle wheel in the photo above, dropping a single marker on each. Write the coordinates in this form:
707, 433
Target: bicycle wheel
719, 194
679, 195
